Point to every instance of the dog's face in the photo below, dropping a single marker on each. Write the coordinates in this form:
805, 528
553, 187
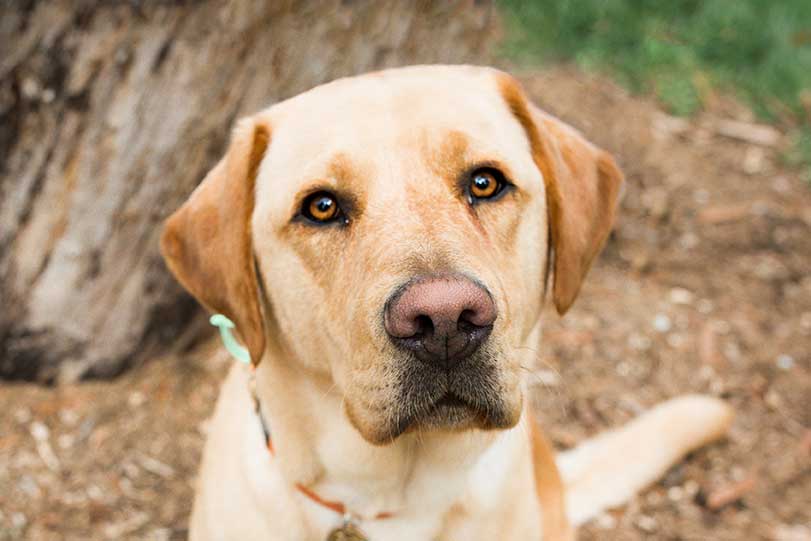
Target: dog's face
398, 225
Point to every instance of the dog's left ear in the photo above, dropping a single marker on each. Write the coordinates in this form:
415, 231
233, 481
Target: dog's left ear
207, 242
582, 187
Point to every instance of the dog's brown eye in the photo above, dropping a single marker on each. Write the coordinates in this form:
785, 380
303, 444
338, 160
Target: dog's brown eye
484, 185
321, 207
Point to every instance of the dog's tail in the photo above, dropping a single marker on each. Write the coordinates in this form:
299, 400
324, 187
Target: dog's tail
609, 469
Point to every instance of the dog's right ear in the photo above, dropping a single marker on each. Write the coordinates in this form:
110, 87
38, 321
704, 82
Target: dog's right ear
207, 242
582, 187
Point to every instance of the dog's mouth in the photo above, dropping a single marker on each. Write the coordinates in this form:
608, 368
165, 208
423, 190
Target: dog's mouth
448, 412
450, 400
451, 412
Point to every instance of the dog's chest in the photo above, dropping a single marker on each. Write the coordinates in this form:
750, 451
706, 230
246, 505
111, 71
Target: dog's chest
493, 497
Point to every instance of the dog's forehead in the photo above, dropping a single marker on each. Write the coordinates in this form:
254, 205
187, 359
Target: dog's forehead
401, 91
365, 116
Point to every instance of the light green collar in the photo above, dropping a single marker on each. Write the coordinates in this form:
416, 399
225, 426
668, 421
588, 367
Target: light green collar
225, 325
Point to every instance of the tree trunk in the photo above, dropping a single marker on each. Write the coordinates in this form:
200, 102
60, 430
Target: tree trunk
111, 113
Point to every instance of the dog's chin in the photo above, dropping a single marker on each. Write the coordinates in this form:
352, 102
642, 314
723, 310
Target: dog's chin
449, 414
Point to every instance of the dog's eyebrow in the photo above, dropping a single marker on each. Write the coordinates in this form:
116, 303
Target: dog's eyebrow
447, 158
338, 173
341, 168
456, 157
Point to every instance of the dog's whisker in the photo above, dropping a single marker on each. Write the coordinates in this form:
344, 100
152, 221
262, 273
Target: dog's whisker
559, 391
329, 390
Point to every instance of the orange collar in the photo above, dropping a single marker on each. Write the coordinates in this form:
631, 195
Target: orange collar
337, 507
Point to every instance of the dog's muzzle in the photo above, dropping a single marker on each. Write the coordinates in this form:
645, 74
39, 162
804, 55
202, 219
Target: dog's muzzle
449, 376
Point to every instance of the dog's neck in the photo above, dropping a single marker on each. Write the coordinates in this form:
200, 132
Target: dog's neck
417, 475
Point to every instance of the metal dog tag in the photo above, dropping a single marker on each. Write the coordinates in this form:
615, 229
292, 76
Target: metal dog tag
346, 532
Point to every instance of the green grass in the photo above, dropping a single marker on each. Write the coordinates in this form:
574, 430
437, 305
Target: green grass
681, 50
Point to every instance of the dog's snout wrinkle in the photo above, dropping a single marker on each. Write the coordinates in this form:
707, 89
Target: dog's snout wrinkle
441, 319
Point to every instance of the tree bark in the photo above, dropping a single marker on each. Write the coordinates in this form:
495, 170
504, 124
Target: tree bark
111, 113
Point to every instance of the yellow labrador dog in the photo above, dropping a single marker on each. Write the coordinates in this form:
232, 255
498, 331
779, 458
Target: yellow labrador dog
383, 244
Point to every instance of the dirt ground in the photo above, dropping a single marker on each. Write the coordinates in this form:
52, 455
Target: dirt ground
704, 287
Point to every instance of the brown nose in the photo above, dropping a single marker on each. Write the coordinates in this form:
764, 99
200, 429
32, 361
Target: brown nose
440, 319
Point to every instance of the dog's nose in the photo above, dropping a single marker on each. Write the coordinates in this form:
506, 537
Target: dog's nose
441, 319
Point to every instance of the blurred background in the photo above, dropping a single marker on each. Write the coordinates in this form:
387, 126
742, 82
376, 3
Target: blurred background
111, 113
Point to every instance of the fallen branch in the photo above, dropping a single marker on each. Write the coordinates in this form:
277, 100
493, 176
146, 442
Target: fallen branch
758, 134
723, 496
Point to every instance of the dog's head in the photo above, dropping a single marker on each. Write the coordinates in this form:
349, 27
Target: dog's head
394, 233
